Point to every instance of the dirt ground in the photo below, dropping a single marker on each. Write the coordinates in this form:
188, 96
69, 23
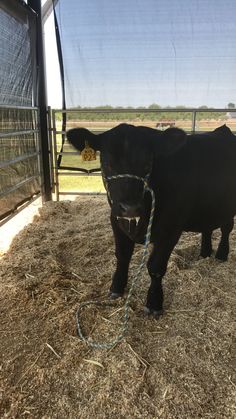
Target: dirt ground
179, 367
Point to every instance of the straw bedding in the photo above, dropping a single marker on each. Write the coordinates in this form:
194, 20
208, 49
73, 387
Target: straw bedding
181, 366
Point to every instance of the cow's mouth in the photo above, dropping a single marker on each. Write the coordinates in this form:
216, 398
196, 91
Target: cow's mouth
129, 223
129, 219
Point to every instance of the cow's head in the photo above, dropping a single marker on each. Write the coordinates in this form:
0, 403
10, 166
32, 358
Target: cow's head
127, 149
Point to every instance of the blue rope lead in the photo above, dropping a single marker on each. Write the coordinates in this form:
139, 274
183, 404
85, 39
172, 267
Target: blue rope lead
124, 327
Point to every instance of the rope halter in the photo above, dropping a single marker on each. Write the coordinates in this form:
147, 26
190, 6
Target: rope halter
124, 327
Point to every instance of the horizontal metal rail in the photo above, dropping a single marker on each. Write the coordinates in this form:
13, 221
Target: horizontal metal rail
82, 193
144, 110
18, 159
28, 115
94, 131
75, 171
18, 133
72, 153
18, 209
18, 185
27, 108
79, 173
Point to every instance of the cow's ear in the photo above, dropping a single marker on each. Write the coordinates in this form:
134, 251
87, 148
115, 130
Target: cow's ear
171, 140
79, 137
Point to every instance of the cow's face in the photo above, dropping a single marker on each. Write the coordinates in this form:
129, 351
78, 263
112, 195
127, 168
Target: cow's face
128, 150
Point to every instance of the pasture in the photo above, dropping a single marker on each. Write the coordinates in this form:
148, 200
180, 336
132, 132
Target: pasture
94, 183
180, 366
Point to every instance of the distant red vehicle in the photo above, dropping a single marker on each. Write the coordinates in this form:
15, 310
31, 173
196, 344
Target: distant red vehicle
165, 123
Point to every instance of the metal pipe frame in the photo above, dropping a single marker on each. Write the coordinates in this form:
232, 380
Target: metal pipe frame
47, 9
94, 132
194, 117
55, 166
27, 108
19, 209
79, 174
42, 103
144, 110
193, 111
18, 185
82, 193
9, 134
18, 159
18, 133
72, 153
49, 114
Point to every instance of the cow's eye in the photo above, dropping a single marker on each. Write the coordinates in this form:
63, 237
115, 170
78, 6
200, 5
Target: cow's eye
107, 167
148, 168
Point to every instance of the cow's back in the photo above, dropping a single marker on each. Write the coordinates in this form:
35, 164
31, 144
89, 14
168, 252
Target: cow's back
197, 184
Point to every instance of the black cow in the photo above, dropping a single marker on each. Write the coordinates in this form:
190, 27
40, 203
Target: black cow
194, 181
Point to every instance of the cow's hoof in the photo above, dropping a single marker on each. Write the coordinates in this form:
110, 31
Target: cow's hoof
221, 258
204, 255
115, 295
154, 313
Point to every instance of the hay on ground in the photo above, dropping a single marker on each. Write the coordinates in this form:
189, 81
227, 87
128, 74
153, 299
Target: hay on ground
178, 367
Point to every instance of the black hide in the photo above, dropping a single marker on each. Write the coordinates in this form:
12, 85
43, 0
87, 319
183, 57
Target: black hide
194, 181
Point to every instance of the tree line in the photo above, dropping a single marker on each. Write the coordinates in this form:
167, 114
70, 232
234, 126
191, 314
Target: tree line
138, 115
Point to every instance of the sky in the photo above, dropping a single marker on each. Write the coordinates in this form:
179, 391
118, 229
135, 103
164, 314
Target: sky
135, 53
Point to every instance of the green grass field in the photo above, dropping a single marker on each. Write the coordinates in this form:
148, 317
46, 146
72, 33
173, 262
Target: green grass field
74, 182
93, 183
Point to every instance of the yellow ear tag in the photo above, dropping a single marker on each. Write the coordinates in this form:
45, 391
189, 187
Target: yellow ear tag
88, 153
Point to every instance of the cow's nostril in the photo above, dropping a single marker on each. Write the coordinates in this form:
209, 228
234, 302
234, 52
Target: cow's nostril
128, 210
123, 207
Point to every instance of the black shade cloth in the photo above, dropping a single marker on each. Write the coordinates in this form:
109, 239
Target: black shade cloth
17, 52
19, 146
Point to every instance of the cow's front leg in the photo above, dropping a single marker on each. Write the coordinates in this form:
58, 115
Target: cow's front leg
124, 248
206, 246
157, 265
223, 248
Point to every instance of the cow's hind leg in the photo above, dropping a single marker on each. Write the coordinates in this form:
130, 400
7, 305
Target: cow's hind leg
157, 265
223, 248
124, 248
206, 246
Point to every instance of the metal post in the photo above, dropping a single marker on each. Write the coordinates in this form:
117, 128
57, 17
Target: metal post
194, 114
42, 103
55, 154
50, 146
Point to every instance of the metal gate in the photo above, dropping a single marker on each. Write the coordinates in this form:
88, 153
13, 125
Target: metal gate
67, 162
20, 164
24, 146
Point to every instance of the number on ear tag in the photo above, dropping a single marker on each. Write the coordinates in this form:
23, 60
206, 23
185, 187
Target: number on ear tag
88, 153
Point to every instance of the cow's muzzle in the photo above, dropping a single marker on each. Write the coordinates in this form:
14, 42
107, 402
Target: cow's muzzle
127, 210
124, 207
129, 219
